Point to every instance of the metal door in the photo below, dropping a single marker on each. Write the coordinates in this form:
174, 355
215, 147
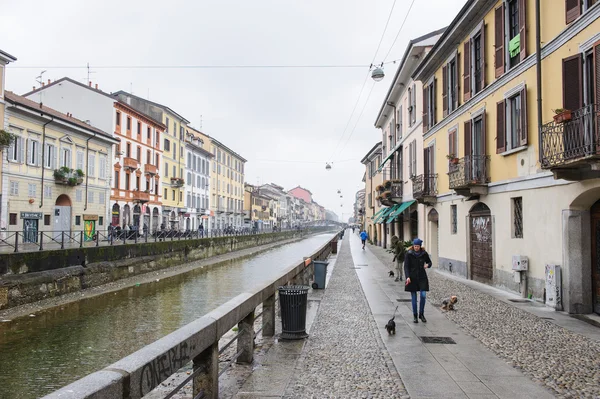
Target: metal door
595, 217
62, 221
30, 229
482, 268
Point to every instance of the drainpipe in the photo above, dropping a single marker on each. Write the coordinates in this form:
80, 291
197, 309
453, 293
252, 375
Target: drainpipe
87, 169
44, 157
538, 57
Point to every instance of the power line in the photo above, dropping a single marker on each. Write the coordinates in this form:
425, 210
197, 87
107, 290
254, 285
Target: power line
399, 30
359, 116
384, 30
364, 82
297, 161
191, 66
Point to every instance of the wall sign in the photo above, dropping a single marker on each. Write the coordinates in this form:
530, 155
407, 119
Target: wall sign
31, 215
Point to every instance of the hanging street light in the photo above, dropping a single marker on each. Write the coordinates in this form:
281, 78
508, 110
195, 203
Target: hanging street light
328, 167
377, 74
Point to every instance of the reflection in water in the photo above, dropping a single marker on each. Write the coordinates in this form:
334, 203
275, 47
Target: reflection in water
39, 355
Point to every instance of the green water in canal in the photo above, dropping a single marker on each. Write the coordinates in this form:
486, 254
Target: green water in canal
41, 354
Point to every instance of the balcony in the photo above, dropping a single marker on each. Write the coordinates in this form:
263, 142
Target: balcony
425, 189
470, 176
130, 163
177, 181
571, 147
390, 192
141, 197
150, 169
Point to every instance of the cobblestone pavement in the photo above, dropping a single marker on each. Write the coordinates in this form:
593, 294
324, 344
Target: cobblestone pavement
566, 362
344, 356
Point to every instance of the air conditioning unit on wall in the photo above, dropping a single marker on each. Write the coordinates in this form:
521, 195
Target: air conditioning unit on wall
520, 263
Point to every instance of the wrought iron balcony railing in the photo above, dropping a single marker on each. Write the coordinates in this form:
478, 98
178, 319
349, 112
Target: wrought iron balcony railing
396, 189
572, 139
424, 186
472, 170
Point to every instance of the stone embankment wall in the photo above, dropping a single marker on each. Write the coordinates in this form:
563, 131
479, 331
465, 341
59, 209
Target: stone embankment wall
32, 276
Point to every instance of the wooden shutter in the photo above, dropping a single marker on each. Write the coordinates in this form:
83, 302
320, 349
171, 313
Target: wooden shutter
456, 84
482, 75
433, 98
500, 127
425, 119
572, 83
467, 70
426, 155
468, 149
572, 10
445, 90
523, 28
499, 40
524, 134
22, 145
483, 134
597, 71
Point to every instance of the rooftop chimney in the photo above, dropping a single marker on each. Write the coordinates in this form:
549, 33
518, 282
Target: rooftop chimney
96, 86
43, 84
49, 81
90, 83
33, 87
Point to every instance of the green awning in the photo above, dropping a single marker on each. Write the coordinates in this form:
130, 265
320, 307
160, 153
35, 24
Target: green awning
375, 216
383, 215
399, 209
390, 155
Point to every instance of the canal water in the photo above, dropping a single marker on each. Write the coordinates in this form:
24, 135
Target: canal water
41, 354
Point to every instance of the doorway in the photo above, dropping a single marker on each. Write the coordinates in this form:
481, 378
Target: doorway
434, 247
30, 230
595, 220
62, 216
480, 236
116, 215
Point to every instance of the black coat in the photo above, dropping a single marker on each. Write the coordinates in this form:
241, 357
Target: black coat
414, 267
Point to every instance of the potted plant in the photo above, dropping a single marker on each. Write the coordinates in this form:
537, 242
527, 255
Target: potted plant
452, 158
72, 181
6, 138
62, 174
562, 115
387, 184
79, 174
380, 188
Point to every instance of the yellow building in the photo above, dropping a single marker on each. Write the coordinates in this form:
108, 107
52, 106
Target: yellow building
513, 183
226, 186
373, 207
172, 171
5, 59
257, 214
55, 173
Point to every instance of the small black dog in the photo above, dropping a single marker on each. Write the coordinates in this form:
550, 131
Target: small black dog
391, 273
391, 324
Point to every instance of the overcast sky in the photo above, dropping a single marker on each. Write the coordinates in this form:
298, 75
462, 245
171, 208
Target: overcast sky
273, 117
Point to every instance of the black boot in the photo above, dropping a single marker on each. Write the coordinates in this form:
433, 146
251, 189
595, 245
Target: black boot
415, 320
422, 317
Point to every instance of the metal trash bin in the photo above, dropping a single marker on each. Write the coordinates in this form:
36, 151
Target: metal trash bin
292, 302
320, 274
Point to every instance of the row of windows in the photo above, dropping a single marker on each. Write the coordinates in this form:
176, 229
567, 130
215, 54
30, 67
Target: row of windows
229, 188
54, 157
230, 203
32, 192
198, 164
516, 218
197, 201
136, 183
12, 220
149, 129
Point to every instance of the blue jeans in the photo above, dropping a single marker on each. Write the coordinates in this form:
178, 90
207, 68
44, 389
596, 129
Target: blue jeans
421, 302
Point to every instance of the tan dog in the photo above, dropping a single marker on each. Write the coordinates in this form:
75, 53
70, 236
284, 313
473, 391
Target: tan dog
448, 303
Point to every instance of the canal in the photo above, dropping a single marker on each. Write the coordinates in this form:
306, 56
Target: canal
56, 347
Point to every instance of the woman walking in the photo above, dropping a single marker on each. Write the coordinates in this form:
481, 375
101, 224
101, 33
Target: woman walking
415, 263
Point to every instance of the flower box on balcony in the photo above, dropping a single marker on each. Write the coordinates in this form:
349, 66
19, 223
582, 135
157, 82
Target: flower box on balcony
68, 176
563, 115
177, 181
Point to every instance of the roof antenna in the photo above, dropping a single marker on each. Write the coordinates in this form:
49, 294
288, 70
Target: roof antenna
40, 80
89, 72
200, 122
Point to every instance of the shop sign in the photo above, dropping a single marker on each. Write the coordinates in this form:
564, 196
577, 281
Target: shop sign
90, 217
31, 215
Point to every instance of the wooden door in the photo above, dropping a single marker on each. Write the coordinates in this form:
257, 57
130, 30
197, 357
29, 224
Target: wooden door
482, 267
595, 219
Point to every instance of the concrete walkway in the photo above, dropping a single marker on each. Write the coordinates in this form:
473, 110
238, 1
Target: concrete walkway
349, 354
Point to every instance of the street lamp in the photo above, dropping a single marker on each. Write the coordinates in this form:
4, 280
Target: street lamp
377, 74
328, 167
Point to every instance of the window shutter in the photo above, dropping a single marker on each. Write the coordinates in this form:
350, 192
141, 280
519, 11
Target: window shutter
500, 127
433, 98
54, 155
499, 40
597, 70
456, 84
482, 75
22, 143
483, 134
445, 90
467, 70
572, 83
426, 171
467, 140
425, 116
523, 28
572, 10
524, 134
38, 159
29, 151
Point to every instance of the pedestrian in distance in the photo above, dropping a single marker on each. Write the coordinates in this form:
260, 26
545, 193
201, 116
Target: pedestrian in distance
415, 263
353, 228
363, 238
